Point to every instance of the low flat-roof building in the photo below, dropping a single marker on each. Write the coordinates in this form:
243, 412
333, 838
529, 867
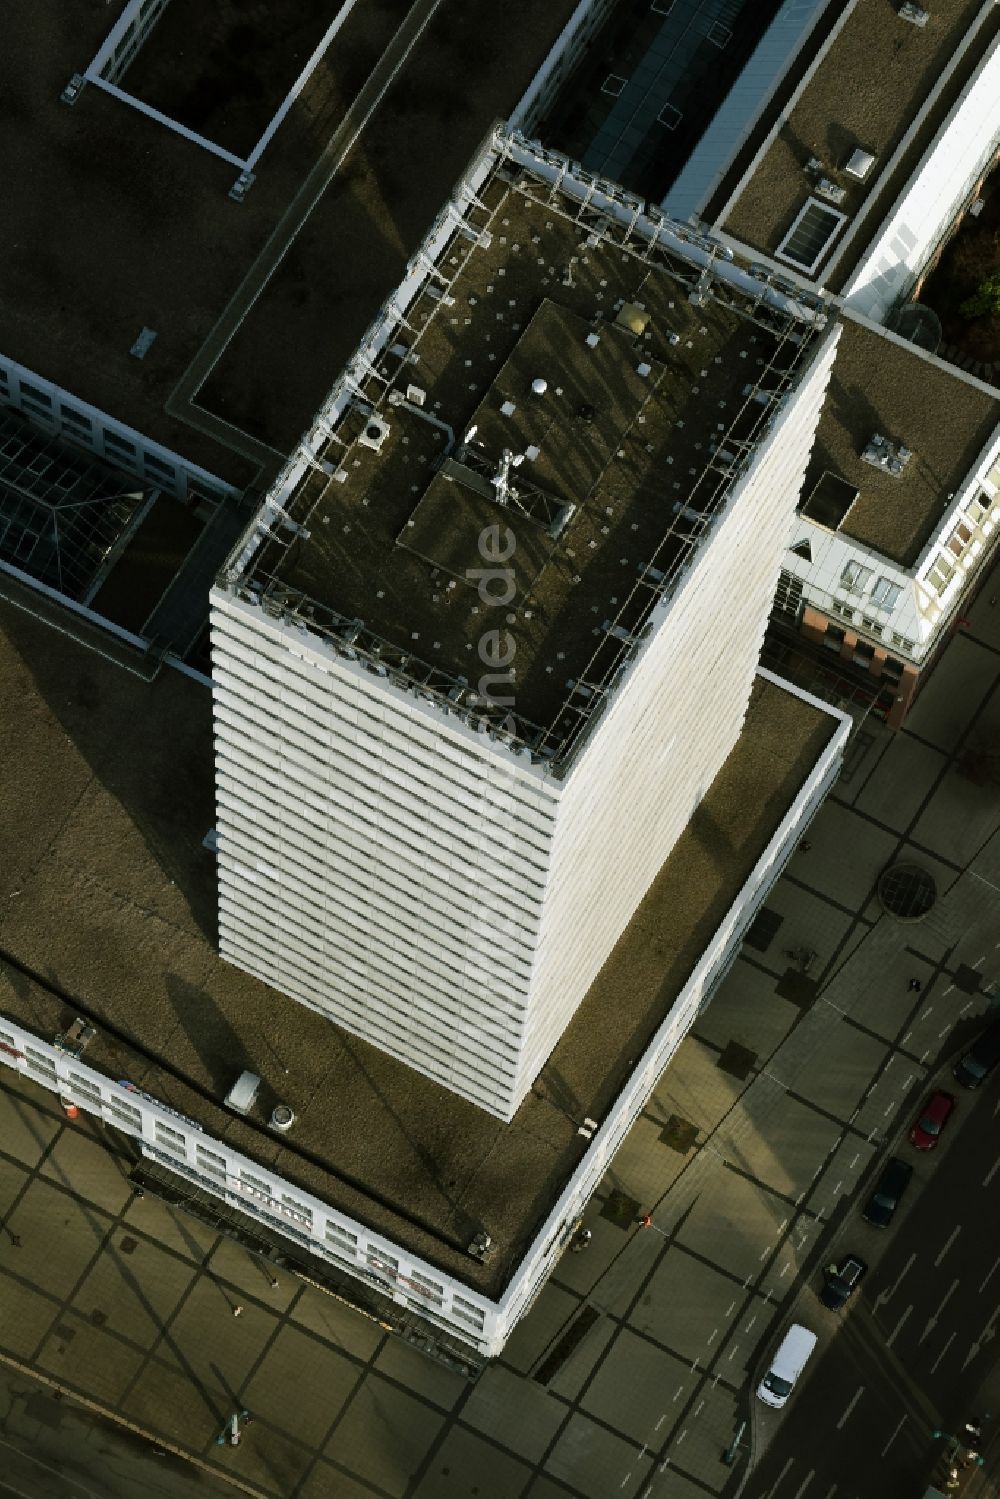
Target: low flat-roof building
853, 173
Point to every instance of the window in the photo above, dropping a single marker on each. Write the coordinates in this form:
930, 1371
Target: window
342, 1238
170, 1139
940, 575
855, 576
84, 1087
40, 1063
214, 1165
902, 642
788, 598
843, 609
428, 1289
885, 594
834, 637
382, 1264
119, 444
77, 420
813, 231
872, 625
125, 1115
35, 396
959, 539
892, 668
864, 653
464, 1311
297, 1211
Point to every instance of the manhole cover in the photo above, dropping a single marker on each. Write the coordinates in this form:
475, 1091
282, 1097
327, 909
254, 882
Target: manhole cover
907, 892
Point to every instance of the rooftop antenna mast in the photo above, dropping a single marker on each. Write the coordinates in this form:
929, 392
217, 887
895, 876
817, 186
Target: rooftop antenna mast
501, 479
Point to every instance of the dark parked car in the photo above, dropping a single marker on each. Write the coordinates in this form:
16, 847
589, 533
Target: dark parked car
981, 1058
891, 1185
841, 1281
931, 1120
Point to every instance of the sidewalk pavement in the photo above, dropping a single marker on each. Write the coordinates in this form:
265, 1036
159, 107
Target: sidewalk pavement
631, 1374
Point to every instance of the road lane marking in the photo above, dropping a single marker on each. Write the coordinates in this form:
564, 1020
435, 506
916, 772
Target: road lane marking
883, 1296
805, 1483
989, 1275
851, 1404
948, 1243
731, 1308
774, 1487
991, 1173
898, 1328
941, 1355
933, 1321
680, 1392
895, 1434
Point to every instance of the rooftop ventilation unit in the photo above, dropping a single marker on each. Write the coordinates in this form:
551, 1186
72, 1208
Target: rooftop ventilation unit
915, 14
481, 1247
890, 457
859, 163
830, 190
242, 1095
376, 430
814, 167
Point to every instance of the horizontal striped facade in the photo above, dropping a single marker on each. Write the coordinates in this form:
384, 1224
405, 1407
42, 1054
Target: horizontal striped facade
429, 888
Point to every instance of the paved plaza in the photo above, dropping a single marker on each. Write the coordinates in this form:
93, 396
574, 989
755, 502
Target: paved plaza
632, 1372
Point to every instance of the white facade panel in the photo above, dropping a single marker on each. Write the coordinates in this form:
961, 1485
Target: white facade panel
422, 885
936, 192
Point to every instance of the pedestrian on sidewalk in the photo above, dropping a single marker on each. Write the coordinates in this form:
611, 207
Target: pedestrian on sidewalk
644, 1220
237, 1311
915, 986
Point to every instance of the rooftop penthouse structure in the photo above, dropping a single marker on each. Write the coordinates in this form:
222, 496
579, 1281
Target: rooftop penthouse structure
494, 631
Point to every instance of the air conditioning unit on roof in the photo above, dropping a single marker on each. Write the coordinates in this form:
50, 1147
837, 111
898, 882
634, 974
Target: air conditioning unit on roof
831, 191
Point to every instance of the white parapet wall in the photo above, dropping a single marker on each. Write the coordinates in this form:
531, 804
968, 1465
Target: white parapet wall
347, 1245
939, 188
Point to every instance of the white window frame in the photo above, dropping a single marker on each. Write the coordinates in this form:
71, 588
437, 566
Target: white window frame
828, 243
859, 575
886, 593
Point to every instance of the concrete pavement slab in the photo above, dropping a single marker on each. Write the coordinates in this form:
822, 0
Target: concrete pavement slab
336, 1323
706, 1434
88, 1357
731, 1221
384, 1435
644, 1167
165, 1399
170, 1227
80, 1164
959, 819
252, 1274
570, 1379
26, 1131
779, 1142
209, 1343
640, 1389
686, 1305
465, 1462
953, 694
27, 1315
550, 1315
65, 1233
424, 1376
137, 1293
933, 1024
848, 853
516, 1412
265, 1456
305, 1408
596, 1462
673, 1484
324, 1481
738, 1355
850, 1059
695, 1087
901, 782
747, 1010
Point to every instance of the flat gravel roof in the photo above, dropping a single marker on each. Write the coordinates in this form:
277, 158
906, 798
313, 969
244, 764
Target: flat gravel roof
107, 895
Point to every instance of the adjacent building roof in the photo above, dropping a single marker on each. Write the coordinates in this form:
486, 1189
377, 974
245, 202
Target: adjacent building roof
866, 92
105, 795
114, 223
882, 385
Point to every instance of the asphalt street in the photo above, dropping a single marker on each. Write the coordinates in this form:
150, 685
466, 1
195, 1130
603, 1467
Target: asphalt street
913, 1352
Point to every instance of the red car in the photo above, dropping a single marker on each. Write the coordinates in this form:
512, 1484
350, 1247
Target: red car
933, 1117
